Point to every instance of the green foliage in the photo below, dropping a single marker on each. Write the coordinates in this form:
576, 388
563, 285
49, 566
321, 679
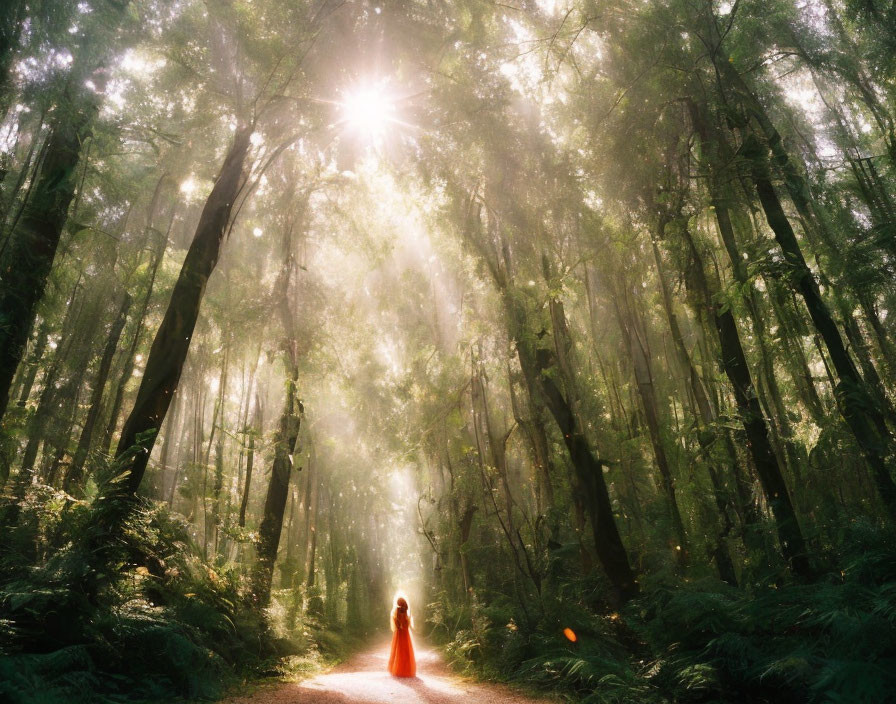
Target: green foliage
494, 642
163, 624
698, 641
832, 641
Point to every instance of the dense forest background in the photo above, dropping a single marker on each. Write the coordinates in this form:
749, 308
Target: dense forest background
554, 315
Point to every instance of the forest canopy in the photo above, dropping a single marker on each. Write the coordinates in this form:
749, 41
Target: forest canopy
570, 319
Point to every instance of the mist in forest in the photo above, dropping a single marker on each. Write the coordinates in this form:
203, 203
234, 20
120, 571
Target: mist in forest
568, 320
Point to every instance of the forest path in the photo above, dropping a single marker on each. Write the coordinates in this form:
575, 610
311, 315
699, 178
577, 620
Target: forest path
364, 679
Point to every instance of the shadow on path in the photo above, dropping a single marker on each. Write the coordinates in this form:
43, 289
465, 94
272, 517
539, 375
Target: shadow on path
364, 679
427, 694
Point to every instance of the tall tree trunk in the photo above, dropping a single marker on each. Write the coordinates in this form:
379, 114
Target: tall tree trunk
332, 571
37, 147
537, 365
881, 336
131, 354
287, 571
466, 525
497, 449
85, 442
172, 341
533, 425
635, 344
217, 488
684, 357
28, 256
174, 428
312, 546
793, 453
706, 417
856, 403
63, 415
32, 245
619, 421
858, 409
589, 469
40, 346
250, 461
795, 355
12, 20
307, 502
285, 441
245, 408
734, 362
208, 526
51, 391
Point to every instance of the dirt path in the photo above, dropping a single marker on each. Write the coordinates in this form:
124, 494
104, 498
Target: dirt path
363, 679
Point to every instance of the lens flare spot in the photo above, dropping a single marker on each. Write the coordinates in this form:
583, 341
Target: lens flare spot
570, 635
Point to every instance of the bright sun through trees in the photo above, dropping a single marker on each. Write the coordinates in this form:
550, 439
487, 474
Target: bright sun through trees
369, 110
573, 320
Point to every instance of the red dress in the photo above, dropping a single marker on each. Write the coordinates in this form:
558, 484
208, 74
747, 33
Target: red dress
401, 659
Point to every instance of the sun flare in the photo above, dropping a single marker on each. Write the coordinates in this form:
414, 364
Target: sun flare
369, 110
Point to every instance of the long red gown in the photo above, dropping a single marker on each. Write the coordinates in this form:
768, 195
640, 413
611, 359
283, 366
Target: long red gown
401, 659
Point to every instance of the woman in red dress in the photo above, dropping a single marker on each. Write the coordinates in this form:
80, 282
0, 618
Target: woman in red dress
401, 659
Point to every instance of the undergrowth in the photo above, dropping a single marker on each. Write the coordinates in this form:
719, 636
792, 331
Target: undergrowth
833, 640
164, 625
152, 621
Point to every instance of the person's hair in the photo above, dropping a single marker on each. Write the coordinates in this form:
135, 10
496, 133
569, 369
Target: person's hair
401, 607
